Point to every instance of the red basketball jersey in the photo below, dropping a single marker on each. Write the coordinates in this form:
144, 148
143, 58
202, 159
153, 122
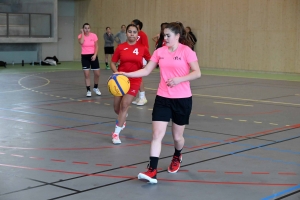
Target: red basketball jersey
130, 56
143, 39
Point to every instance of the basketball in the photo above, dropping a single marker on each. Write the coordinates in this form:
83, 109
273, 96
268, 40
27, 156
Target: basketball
118, 85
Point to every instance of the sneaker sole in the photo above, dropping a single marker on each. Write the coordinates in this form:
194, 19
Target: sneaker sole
116, 143
143, 176
134, 103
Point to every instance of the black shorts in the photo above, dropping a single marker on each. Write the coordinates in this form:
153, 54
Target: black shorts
179, 110
88, 64
109, 50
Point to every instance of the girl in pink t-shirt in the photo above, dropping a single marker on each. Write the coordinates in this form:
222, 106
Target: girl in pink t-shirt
178, 65
89, 58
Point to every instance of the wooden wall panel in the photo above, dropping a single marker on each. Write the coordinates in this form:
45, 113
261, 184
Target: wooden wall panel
257, 35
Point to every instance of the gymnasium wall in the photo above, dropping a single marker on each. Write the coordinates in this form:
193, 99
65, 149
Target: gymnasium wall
255, 35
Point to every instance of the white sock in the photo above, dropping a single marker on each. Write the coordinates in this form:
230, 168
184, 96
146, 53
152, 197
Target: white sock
118, 129
142, 95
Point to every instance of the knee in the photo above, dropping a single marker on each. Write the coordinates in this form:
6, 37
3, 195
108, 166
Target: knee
157, 136
124, 107
178, 138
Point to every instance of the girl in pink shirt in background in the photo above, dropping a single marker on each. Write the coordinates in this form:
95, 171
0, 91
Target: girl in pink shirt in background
89, 58
178, 65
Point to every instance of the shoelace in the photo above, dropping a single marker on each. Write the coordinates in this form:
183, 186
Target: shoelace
115, 136
175, 161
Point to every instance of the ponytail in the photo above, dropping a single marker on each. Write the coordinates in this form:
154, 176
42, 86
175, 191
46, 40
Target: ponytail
178, 28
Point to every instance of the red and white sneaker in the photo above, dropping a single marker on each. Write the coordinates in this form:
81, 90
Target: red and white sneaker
175, 164
149, 175
115, 138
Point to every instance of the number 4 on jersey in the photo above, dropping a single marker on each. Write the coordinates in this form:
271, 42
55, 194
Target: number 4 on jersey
136, 51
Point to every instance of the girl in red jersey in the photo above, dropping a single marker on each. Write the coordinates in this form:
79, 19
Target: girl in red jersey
131, 56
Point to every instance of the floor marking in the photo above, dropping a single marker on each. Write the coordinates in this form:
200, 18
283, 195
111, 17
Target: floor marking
273, 124
287, 125
214, 117
201, 115
228, 118
207, 171
106, 104
257, 122
289, 190
297, 94
242, 120
260, 173
162, 179
72, 99
57, 96
80, 163
233, 172
17, 155
287, 173
107, 165
128, 166
37, 158
139, 108
252, 100
54, 160
233, 104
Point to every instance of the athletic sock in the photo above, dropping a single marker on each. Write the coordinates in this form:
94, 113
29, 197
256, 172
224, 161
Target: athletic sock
118, 129
95, 85
106, 63
177, 152
88, 88
142, 95
153, 162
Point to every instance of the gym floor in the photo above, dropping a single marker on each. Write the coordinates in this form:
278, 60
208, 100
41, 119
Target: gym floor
242, 142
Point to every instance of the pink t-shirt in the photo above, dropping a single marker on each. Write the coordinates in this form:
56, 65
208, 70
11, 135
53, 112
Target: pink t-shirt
88, 46
174, 64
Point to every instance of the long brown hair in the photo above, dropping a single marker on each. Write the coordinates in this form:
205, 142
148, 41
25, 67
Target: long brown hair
178, 28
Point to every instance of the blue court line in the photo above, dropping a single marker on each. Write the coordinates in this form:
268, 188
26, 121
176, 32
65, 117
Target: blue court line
167, 133
281, 193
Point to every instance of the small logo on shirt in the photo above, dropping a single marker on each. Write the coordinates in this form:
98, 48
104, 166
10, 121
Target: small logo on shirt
161, 57
133, 91
125, 48
177, 58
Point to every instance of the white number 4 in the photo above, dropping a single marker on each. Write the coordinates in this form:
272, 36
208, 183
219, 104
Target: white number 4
136, 51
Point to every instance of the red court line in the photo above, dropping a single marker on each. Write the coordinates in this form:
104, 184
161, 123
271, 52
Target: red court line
207, 171
183, 170
167, 180
287, 173
54, 160
260, 173
80, 163
204, 145
233, 172
262, 132
103, 165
